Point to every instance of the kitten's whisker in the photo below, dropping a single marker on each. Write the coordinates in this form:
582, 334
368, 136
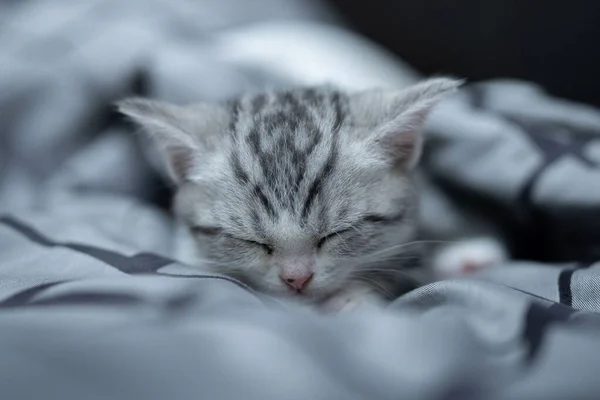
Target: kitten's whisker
341, 238
359, 232
415, 242
383, 256
369, 256
376, 285
382, 253
381, 260
392, 257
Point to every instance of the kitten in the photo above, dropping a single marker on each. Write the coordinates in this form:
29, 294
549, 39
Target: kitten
307, 193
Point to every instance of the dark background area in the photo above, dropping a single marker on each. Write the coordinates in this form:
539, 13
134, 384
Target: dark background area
554, 43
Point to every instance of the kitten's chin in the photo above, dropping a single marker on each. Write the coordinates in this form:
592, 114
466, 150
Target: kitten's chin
307, 297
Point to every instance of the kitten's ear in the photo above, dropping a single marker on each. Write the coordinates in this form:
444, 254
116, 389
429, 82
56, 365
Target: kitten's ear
183, 133
395, 118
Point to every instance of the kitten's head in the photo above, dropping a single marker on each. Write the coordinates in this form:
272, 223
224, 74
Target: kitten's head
296, 191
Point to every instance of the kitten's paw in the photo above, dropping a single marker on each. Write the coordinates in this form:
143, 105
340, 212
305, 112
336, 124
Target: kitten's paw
352, 299
468, 256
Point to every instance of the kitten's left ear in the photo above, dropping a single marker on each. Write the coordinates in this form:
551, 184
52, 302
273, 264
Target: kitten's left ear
395, 117
184, 134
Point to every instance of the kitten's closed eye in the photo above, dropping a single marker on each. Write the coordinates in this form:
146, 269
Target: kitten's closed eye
333, 235
267, 248
369, 219
214, 231
264, 246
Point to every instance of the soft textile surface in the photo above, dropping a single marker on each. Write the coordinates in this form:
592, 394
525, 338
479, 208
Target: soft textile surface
93, 305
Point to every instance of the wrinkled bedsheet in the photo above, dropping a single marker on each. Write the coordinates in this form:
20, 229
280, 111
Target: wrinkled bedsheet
98, 295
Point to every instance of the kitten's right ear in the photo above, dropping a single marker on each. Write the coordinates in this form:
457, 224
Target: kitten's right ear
395, 117
181, 132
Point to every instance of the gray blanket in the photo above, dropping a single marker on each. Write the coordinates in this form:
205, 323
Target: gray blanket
99, 300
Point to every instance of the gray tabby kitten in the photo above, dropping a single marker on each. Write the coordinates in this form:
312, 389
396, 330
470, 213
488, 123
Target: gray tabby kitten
306, 193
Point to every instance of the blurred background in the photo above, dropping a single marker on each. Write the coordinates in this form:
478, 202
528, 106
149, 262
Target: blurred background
551, 42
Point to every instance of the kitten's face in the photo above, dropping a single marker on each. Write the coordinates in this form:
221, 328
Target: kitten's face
257, 230
310, 186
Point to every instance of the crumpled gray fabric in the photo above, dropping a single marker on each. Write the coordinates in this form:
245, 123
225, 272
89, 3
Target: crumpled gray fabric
87, 312
531, 160
98, 299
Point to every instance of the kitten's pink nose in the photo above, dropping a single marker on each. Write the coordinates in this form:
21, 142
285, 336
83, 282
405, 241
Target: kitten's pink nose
297, 281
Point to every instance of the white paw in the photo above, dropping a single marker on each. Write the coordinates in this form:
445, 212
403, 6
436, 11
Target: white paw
468, 256
352, 299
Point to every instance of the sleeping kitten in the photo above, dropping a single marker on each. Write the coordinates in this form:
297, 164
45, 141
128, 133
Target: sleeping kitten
306, 193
